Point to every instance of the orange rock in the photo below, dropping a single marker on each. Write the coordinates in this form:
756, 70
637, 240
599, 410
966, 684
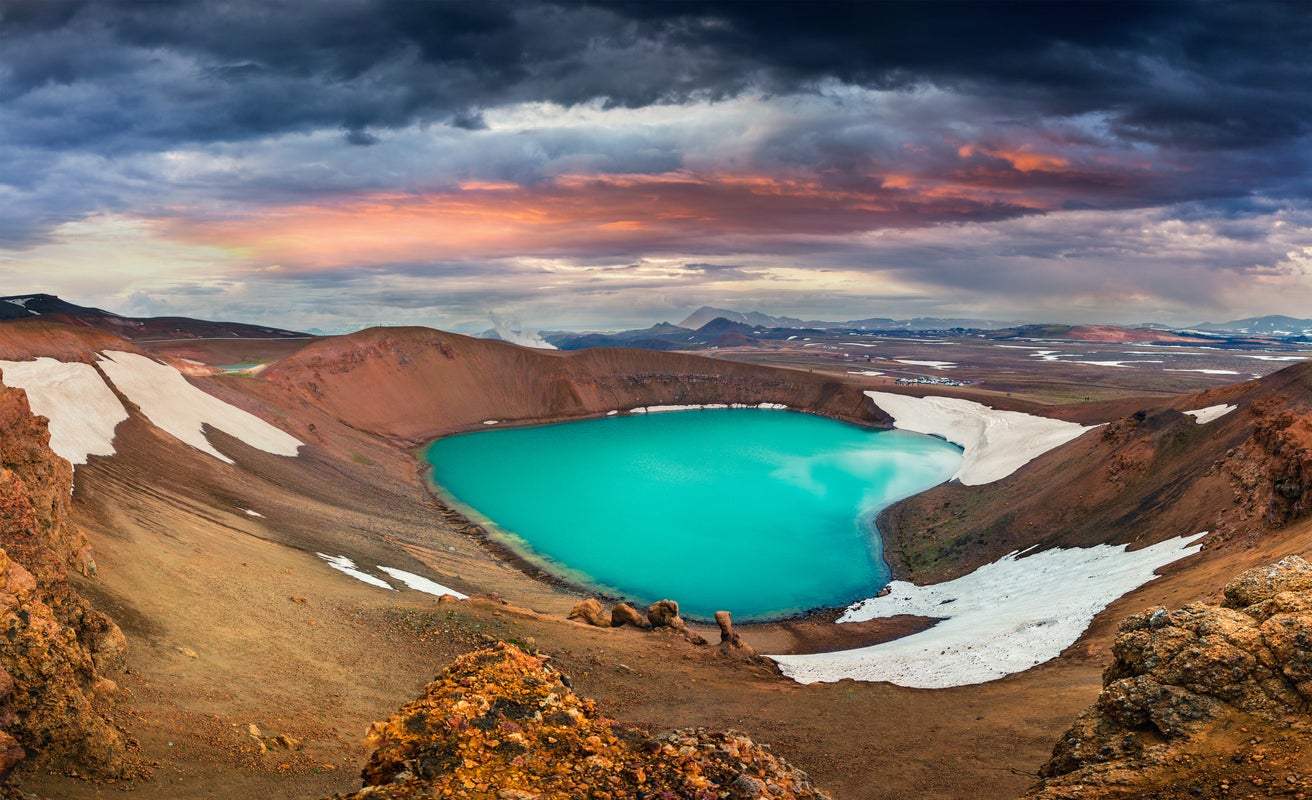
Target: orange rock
530, 736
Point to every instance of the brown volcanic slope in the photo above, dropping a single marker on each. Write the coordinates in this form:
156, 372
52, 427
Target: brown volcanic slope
411, 385
1147, 476
233, 621
26, 339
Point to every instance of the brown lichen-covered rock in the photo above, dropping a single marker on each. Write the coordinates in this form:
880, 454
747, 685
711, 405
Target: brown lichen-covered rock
730, 642
501, 723
625, 614
590, 612
664, 614
1290, 574
1180, 679
56, 650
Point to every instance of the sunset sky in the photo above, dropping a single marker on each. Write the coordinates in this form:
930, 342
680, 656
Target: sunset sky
338, 163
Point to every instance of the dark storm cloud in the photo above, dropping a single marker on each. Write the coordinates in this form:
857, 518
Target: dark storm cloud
1187, 73
1198, 74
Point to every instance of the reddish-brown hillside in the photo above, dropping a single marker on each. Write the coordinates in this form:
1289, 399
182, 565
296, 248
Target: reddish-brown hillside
414, 384
1114, 333
1142, 478
23, 340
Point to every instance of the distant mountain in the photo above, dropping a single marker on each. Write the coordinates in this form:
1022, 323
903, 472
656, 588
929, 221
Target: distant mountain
1273, 325
51, 308
722, 325
706, 314
1102, 333
662, 336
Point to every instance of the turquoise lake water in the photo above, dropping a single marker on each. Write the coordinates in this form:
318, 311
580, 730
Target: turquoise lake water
762, 513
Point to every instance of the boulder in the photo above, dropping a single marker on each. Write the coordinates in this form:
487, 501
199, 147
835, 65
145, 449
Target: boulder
625, 614
1290, 574
590, 612
1178, 677
664, 614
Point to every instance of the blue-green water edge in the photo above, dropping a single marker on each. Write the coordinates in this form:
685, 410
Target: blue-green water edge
763, 513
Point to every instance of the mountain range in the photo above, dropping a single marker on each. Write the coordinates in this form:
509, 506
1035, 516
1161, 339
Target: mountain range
705, 314
1268, 326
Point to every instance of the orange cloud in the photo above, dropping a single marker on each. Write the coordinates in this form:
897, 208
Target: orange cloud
1023, 158
593, 215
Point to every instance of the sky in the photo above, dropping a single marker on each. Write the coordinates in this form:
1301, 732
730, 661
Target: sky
597, 165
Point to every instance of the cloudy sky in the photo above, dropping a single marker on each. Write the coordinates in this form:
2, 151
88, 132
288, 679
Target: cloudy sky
337, 163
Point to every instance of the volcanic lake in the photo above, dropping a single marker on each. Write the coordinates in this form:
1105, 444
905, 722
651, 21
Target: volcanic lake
759, 512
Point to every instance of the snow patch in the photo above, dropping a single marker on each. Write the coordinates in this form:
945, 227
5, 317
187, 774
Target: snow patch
934, 364
251, 513
994, 443
176, 407
347, 566
82, 409
699, 406
22, 302
870, 372
1123, 364
1205, 371
1004, 617
1279, 358
1202, 416
421, 584
491, 422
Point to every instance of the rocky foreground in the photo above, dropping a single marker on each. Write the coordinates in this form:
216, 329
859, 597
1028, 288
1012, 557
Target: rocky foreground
502, 723
1204, 701
56, 652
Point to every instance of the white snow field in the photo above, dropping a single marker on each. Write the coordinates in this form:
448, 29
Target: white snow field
346, 566
1004, 617
177, 407
1202, 416
995, 443
421, 584
82, 410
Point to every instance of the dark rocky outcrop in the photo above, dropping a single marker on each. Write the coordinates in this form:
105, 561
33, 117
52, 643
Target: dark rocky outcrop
502, 723
1272, 470
57, 651
1181, 680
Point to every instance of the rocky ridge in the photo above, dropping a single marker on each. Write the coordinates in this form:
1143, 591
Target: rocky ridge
1195, 698
57, 650
412, 385
503, 723
1272, 470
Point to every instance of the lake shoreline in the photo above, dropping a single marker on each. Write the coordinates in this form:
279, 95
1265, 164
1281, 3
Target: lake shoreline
810, 630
